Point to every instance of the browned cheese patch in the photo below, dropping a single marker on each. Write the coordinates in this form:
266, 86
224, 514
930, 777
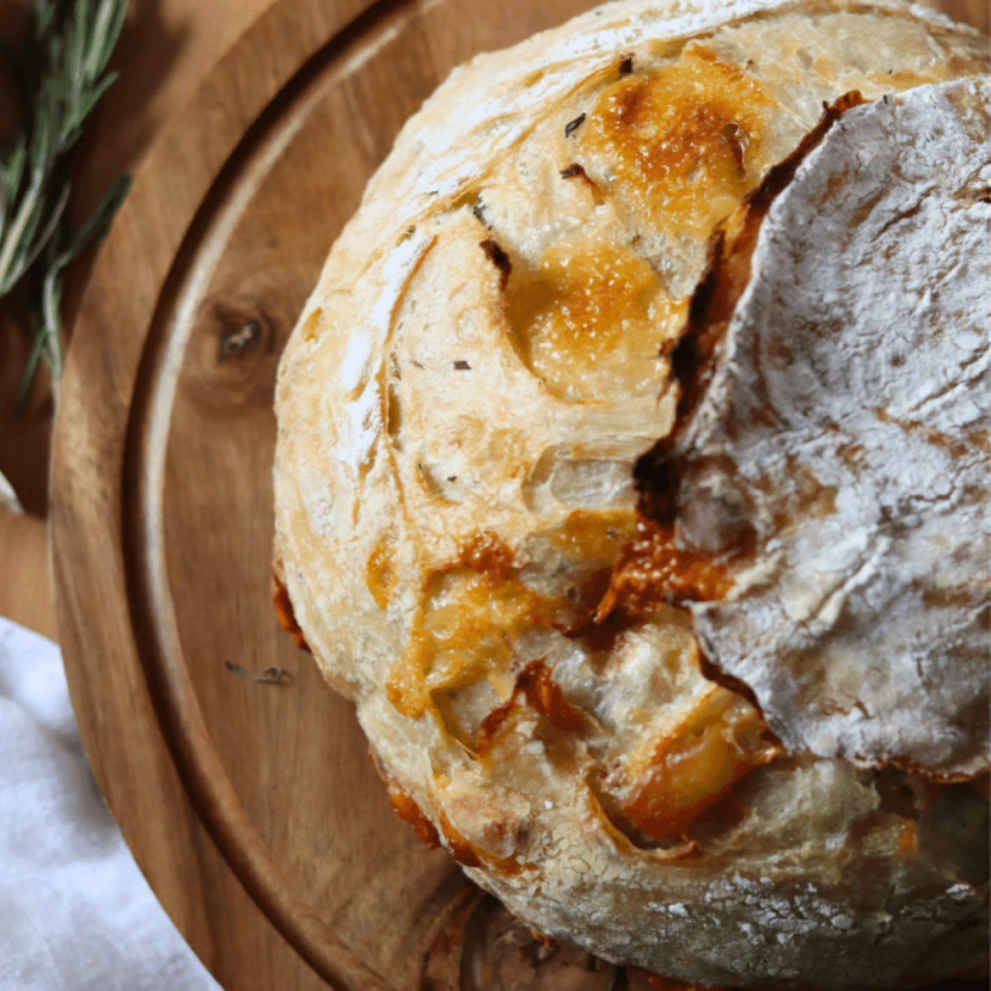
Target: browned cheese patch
591, 320
652, 569
667, 786
682, 144
470, 854
534, 684
473, 610
589, 536
596, 540
381, 575
469, 613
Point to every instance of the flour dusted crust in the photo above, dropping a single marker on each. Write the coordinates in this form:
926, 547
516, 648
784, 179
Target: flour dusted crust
862, 627
495, 359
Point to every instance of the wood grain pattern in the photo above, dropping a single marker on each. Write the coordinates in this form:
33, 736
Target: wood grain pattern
251, 807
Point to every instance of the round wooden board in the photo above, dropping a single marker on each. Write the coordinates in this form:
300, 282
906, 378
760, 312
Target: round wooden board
251, 807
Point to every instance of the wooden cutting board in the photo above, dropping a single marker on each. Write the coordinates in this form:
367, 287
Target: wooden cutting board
239, 779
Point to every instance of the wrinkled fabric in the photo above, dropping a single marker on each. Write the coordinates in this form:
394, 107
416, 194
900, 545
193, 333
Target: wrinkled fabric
76, 914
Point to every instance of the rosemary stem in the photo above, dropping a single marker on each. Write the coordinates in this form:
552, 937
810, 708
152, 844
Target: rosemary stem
50, 315
7, 279
37, 349
102, 18
53, 221
64, 63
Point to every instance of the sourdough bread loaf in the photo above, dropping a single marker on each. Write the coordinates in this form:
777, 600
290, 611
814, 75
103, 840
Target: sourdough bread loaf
632, 480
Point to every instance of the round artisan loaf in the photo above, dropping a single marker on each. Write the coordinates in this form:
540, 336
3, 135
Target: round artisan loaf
631, 479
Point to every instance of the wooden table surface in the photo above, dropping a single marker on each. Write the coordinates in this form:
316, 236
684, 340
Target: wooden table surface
166, 48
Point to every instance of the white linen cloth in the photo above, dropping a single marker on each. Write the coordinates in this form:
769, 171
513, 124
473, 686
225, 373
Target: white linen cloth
8, 497
76, 914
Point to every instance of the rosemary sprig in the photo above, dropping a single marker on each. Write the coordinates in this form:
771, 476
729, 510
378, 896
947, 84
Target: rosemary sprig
63, 70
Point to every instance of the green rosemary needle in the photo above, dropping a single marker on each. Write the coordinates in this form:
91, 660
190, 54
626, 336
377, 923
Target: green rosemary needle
63, 70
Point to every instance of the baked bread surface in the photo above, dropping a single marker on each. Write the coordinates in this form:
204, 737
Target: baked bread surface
494, 359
